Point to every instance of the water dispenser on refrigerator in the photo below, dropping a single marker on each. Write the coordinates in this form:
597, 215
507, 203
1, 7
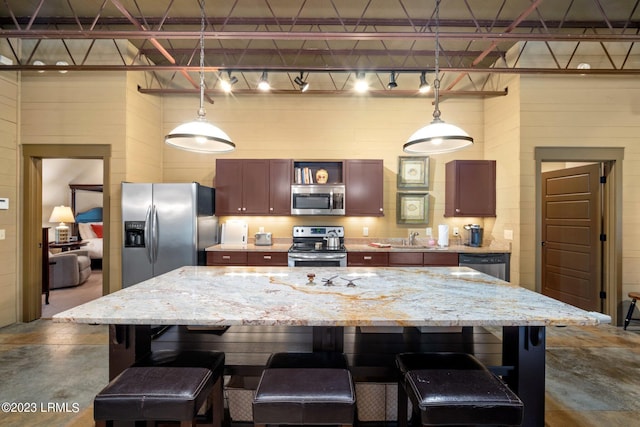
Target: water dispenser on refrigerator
134, 234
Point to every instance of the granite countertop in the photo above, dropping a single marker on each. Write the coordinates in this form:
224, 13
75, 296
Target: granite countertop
362, 245
228, 296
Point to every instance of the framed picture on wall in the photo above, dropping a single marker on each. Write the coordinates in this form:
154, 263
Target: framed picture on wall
413, 172
412, 208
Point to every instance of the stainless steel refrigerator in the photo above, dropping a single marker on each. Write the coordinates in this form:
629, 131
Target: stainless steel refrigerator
165, 226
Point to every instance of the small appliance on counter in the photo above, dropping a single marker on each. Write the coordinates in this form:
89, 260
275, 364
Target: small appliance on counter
474, 235
263, 239
234, 233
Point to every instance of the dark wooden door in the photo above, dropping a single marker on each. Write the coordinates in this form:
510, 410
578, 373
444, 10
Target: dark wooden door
280, 178
228, 184
571, 227
364, 187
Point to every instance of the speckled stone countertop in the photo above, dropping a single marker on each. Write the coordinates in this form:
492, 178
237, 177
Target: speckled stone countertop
414, 296
362, 245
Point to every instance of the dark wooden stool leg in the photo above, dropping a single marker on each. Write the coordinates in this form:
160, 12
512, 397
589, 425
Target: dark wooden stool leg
629, 313
217, 396
402, 405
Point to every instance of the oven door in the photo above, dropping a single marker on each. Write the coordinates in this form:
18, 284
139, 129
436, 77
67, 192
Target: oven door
317, 259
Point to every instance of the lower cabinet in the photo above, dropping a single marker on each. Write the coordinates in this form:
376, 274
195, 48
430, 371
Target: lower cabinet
440, 259
367, 259
279, 259
405, 259
247, 258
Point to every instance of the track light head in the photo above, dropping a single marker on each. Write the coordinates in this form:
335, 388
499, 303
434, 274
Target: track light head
392, 81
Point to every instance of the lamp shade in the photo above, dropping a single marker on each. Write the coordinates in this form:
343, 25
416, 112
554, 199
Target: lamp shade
62, 214
436, 138
200, 136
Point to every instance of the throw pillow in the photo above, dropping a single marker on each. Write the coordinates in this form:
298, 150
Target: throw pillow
97, 228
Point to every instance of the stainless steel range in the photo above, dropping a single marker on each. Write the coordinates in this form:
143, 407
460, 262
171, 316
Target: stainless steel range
318, 246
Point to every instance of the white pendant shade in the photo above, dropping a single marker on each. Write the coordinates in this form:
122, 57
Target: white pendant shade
436, 138
200, 136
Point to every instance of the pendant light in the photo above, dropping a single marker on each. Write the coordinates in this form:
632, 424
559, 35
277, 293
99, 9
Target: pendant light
437, 137
200, 136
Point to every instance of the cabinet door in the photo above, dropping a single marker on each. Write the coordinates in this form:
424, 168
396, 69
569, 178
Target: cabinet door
405, 258
441, 259
227, 258
367, 259
255, 187
470, 188
364, 188
280, 176
228, 185
267, 258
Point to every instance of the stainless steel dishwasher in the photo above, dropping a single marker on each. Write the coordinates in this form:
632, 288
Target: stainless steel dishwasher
493, 264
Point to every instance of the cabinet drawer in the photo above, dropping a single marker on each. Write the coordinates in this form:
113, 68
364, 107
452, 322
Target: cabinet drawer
226, 258
371, 259
405, 258
448, 259
267, 258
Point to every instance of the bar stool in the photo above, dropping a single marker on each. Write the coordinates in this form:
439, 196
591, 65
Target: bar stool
634, 296
454, 389
305, 388
154, 394
167, 385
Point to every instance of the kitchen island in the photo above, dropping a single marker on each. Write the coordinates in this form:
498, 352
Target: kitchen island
383, 297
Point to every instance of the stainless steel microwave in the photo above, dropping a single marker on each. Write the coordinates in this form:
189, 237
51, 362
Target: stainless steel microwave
321, 199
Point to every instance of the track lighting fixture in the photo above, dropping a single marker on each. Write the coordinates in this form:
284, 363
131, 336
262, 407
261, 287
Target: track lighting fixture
304, 86
361, 85
424, 86
227, 84
263, 84
392, 81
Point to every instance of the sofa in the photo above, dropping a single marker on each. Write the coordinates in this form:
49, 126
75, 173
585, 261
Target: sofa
71, 268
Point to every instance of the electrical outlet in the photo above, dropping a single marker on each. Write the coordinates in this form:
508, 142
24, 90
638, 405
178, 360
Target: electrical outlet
365, 231
456, 231
508, 234
2, 237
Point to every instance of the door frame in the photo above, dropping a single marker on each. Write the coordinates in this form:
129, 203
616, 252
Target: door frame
612, 216
32, 155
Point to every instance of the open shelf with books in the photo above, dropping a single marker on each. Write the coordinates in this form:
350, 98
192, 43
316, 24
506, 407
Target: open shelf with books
318, 172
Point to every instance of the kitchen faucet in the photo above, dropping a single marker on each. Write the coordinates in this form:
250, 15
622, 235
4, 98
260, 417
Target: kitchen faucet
412, 237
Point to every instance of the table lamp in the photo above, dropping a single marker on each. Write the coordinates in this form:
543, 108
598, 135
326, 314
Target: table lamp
62, 214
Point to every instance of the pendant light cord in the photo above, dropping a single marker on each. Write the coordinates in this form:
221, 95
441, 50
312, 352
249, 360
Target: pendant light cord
436, 83
201, 111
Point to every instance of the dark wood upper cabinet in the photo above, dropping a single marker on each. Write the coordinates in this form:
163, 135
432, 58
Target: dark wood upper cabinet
470, 188
280, 177
252, 186
364, 187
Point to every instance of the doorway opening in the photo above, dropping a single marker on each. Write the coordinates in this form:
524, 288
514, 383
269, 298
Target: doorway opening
608, 223
32, 217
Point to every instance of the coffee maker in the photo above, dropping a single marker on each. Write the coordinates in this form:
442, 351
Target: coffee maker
474, 235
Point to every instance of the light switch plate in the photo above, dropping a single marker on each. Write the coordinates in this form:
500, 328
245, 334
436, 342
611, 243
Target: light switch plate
508, 234
2, 235
365, 231
4, 203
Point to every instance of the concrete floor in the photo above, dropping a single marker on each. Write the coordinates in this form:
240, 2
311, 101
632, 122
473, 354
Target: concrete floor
52, 372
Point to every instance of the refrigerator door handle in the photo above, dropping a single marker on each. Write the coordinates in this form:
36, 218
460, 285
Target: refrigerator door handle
147, 234
154, 228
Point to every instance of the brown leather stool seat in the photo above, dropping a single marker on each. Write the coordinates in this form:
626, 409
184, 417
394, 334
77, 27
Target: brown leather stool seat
212, 360
456, 388
305, 388
154, 394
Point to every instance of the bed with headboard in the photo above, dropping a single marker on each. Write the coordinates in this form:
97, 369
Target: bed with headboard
88, 226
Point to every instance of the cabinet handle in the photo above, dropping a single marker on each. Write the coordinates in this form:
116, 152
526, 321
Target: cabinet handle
239, 209
367, 258
381, 209
226, 256
267, 257
271, 209
458, 210
244, 209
